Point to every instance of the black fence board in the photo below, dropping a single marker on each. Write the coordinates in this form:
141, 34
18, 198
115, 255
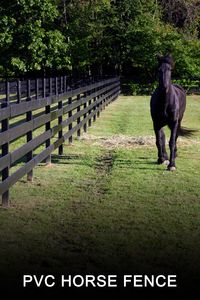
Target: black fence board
33, 144
5, 161
4, 113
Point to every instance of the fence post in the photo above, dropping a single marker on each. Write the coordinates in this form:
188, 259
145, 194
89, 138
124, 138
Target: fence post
48, 124
104, 100
89, 112
65, 83
78, 119
29, 134
61, 84
107, 99
37, 88
56, 86
98, 108
5, 147
95, 106
50, 86
60, 119
18, 91
101, 103
69, 116
85, 115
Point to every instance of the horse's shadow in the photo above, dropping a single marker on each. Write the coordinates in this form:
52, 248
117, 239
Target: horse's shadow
141, 163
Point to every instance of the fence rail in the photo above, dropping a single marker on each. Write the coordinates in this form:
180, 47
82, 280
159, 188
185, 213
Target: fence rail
38, 116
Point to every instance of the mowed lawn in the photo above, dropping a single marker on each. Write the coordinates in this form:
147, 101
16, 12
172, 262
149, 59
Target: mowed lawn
105, 206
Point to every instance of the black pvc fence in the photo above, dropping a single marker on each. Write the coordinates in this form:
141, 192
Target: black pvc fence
56, 107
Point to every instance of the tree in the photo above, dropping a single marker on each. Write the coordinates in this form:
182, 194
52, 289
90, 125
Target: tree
183, 14
31, 40
98, 37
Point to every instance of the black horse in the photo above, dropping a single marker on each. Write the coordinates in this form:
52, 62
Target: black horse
168, 104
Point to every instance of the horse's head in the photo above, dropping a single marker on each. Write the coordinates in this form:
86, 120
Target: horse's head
164, 71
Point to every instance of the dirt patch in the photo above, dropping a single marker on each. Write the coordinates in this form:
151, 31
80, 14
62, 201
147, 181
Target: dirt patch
49, 165
103, 166
104, 163
118, 141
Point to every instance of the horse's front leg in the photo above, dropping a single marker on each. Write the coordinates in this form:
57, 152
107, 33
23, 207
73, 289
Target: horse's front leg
172, 146
164, 152
162, 155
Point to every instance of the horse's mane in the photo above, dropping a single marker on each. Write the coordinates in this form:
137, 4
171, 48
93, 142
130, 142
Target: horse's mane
166, 59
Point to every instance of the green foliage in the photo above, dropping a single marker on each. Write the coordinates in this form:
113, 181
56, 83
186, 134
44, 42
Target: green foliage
182, 14
97, 37
132, 88
190, 85
30, 39
141, 89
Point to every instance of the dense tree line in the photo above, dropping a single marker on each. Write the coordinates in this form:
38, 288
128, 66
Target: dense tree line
98, 37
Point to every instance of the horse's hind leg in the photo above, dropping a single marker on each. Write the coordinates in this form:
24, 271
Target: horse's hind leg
172, 145
179, 125
175, 150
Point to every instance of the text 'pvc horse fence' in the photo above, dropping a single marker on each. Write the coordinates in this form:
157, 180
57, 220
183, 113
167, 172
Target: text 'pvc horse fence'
41, 114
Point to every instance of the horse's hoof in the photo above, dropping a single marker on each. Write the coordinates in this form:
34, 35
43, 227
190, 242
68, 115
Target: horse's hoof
165, 162
171, 168
160, 161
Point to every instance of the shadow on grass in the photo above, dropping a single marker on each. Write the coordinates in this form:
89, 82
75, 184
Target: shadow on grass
107, 161
141, 164
71, 159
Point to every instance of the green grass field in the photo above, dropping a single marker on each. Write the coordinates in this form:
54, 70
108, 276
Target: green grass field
105, 206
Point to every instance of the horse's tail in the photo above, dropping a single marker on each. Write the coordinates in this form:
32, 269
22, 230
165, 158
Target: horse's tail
186, 132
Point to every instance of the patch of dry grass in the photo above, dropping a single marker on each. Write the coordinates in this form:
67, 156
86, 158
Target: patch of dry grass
127, 142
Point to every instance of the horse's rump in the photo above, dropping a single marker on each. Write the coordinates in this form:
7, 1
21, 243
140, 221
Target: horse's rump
181, 96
